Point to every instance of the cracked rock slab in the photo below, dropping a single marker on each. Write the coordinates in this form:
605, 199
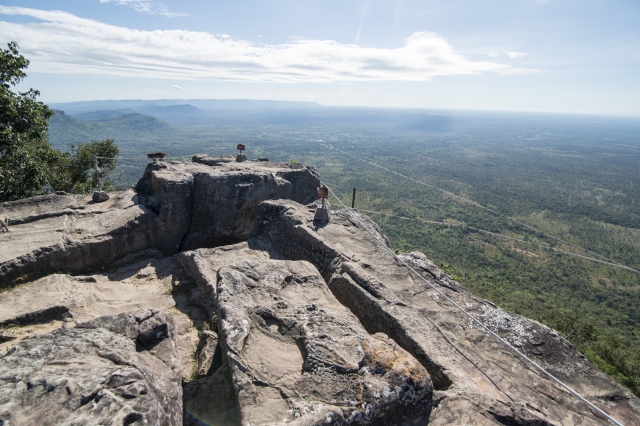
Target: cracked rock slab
477, 379
118, 370
297, 355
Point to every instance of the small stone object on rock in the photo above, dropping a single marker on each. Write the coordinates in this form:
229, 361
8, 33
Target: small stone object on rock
7, 338
157, 156
207, 348
100, 196
263, 159
240, 158
323, 214
296, 166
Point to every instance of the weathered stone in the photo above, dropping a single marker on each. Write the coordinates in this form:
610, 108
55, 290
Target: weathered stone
203, 266
68, 232
295, 353
100, 196
322, 214
478, 379
62, 300
113, 370
83, 298
337, 329
225, 199
211, 401
208, 350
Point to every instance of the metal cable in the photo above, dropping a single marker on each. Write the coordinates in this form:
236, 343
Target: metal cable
619, 265
473, 319
477, 205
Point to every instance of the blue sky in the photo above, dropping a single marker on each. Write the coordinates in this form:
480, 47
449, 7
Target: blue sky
520, 55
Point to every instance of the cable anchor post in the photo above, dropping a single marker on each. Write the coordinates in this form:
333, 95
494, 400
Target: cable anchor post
99, 195
241, 157
323, 213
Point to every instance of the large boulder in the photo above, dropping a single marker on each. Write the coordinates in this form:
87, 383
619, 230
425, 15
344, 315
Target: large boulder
117, 370
294, 352
176, 206
226, 197
478, 380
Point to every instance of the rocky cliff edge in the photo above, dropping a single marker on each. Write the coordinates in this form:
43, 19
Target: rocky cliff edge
210, 296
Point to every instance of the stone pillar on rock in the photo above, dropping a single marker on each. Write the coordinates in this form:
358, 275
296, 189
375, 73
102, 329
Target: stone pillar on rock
323, 213
241, 157
98, 196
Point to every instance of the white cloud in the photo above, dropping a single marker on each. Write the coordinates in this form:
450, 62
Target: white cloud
64, 43
494, 54
175, 86
514, 55
309, 97
146, 6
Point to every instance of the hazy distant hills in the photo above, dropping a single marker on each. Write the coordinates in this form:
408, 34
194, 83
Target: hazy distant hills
184, 111
185, 114
157, 111
121, 125
103, 114
180, 105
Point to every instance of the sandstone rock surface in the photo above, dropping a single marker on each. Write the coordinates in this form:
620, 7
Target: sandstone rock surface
211, 401
306, 322
295, 353
61, 300
120, 370
471, 371
177, 206
69, 232
208, 351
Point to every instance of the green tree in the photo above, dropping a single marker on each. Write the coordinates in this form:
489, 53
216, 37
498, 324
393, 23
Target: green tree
26, 158
28, 164
76, 173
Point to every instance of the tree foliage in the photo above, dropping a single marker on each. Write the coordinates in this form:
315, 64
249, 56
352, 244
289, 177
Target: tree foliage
28, 164
75, 172
25, 155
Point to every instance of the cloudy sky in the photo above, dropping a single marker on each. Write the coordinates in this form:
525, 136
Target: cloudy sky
532, 55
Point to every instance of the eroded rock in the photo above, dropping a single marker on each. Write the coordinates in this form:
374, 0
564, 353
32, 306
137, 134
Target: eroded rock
471, 371
177, 206
69, 232
112, 370
295, 353
208, 351
211, 401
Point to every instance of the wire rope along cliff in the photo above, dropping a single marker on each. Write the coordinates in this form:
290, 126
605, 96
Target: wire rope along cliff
473, 228
474, 320
482, 207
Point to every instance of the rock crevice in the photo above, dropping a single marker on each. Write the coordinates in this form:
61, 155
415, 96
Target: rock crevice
260, 316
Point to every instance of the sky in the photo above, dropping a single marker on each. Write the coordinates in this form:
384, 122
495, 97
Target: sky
568, 56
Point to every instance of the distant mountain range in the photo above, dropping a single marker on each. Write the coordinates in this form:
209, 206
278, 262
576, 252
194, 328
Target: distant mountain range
122, 125
157, 111
174, 106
